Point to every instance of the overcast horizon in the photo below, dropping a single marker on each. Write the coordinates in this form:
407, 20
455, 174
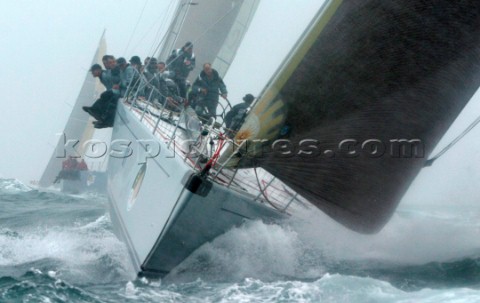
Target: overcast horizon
47, 50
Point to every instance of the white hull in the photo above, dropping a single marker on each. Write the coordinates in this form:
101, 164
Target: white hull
166, 221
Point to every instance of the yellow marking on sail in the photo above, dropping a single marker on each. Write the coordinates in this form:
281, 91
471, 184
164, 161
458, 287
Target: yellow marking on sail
260, 123
292, 64
265, 101
306, 44
273, 124
243, 135
267, 126
269, 111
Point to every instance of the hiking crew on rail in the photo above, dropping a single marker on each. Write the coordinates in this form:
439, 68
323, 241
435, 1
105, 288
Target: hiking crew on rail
163, 84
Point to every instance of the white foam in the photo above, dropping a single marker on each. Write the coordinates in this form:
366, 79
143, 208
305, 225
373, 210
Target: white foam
13, 185
303, 249
252, 250
52, 274
78, 250
336, 289
414, 238
130, 289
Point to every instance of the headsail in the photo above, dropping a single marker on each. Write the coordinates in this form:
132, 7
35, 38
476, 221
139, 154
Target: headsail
78, 126
216, 28
365, 76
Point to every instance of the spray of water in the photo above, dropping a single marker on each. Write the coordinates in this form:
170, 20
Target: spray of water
313, 245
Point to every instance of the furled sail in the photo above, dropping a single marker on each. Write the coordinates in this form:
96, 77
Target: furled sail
362, 100
216, 28
78, 126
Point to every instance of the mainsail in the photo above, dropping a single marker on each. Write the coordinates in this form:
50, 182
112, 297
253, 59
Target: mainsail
216, 28
78, 126
363, 99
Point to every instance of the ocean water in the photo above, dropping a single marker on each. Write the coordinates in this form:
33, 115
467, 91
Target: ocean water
60, 248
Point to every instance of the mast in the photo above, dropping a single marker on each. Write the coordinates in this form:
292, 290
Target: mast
79, 125
174, 29
215, 27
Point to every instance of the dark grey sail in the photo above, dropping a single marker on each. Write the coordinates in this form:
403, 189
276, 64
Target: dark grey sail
78, 126
216, 28
376, 73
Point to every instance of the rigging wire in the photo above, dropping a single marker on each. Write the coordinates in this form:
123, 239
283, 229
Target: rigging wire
180, 25
159, 45
160, 29
139, 79
214, 158
263, 190
430, 161
135, 28
206, 30
198, 38
163, 20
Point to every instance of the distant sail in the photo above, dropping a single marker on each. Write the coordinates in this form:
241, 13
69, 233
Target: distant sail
78, 126
366, 75
216, 28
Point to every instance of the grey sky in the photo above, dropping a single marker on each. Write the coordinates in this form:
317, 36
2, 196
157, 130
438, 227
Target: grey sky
47, 47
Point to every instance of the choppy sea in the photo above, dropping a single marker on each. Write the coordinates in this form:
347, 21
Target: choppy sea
60, 248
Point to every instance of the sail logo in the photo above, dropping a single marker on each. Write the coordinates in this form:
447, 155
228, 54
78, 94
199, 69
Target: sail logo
90, 179
137, 184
